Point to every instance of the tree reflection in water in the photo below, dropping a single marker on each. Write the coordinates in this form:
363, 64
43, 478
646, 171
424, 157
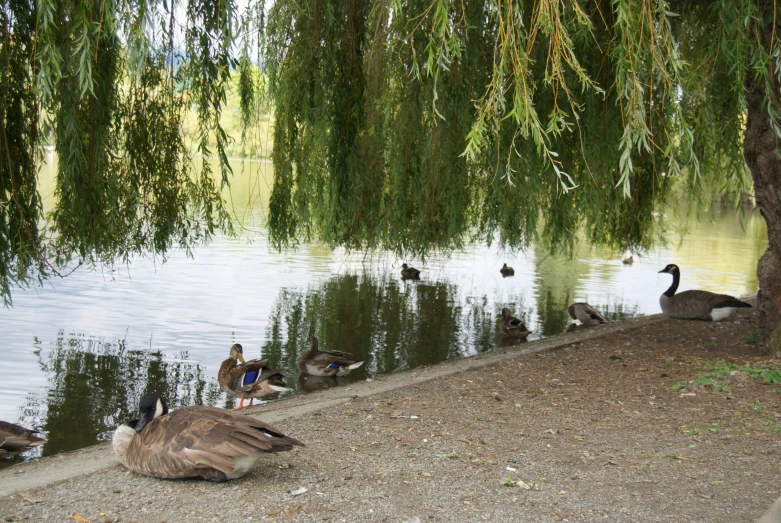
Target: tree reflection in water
94, 385
391, 324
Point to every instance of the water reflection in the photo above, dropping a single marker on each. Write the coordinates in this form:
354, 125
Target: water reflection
389, 324
394, 325
94, 384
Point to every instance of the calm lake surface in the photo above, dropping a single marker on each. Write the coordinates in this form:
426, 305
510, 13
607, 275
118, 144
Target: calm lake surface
79, 352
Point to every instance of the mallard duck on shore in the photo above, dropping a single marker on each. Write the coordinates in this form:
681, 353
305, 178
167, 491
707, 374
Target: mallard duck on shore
512, 326
15, 439
409, 273
318, 362
194, 442
587, 314
248, 379
695, 305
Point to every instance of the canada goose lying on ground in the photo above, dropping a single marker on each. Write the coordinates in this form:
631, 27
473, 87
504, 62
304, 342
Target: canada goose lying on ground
695, 305
409, 273
194, 442
15, 439
586, 314
248, 379
326, 362
513, 326
507, 271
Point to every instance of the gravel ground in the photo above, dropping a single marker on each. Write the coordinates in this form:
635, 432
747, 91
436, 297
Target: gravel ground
620, 427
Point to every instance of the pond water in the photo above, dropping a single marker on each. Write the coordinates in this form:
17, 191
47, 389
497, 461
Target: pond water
79, 352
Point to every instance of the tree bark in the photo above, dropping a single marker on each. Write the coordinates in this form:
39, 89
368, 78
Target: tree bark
760, 149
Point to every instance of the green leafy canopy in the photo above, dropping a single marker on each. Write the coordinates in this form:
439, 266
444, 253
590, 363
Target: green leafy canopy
404, 125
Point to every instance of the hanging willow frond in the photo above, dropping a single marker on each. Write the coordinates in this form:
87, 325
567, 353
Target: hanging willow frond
409, 125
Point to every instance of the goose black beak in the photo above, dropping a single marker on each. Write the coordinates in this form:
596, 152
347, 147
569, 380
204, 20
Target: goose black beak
145, 418
140, 424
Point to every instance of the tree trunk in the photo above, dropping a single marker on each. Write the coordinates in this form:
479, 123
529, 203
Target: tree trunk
760, 149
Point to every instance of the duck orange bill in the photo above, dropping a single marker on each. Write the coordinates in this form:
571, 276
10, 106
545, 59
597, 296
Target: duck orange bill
241, 358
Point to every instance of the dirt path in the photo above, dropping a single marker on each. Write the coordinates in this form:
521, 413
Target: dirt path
652, 423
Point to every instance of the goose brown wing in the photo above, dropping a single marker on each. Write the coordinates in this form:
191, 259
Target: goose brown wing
712, 299
238, 435
196, 437
691, 305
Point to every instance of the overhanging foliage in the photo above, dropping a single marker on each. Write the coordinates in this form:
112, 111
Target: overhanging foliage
406, 125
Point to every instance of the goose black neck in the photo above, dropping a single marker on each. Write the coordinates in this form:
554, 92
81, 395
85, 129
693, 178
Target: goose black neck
674, 287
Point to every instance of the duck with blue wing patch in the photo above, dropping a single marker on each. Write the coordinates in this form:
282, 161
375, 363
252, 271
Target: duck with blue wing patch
248, 379
318, 362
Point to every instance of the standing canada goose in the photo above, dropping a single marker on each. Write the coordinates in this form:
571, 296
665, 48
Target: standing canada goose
695, 305
507, 271
194, 442
409, 273
513, 326
586, 314
15, 439
248, 379
326, 362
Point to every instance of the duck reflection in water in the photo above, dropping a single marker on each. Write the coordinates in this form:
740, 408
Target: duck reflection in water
309, 383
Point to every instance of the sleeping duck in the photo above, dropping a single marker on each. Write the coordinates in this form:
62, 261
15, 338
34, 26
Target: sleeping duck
15, 439
326, 362
512, 326
587, 314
